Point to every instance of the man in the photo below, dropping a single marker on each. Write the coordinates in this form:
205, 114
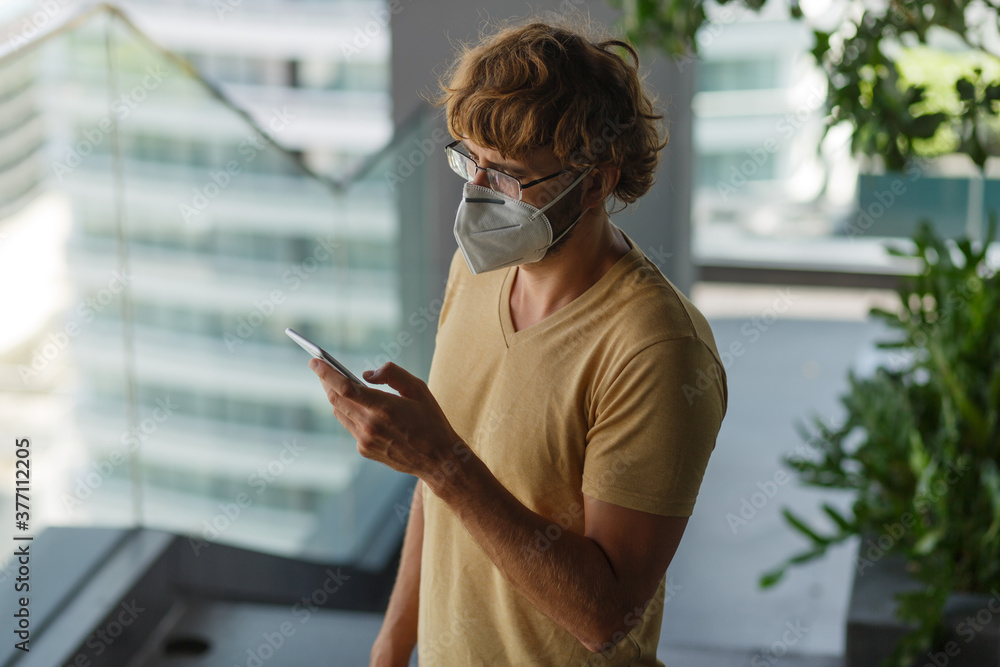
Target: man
574, 396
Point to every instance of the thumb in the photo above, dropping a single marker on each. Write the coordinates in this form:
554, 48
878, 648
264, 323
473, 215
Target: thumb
396, 377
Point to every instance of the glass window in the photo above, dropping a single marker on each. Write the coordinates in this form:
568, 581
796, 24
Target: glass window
715, 167
266, 221
742, 74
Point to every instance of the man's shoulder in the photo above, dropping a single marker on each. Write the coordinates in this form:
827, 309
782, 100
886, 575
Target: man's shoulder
652, 309
657, 327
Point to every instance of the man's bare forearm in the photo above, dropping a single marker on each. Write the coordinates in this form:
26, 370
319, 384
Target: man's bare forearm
398, 635
571, 580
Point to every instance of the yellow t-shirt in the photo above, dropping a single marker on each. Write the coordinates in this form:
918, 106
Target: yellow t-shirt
618, 395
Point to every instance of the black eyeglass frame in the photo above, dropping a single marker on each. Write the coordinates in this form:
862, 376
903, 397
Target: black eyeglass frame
521, 186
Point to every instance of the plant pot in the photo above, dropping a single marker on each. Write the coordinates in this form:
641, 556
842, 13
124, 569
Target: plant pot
971, 621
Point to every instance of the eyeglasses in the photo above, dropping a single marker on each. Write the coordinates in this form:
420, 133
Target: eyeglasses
467, 168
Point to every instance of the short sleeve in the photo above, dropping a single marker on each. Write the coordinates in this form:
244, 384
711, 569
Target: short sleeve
655, 426
449, 288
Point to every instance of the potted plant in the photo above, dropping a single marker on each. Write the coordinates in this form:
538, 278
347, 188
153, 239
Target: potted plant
920, 448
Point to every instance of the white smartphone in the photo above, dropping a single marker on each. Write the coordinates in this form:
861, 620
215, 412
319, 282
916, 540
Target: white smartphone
321, 354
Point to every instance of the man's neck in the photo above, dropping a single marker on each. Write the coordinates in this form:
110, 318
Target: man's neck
541, 288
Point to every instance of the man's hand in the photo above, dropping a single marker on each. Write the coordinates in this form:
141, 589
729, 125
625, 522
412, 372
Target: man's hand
408, 433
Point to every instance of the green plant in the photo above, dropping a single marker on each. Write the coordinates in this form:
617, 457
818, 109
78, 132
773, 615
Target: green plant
896, 108
920, 445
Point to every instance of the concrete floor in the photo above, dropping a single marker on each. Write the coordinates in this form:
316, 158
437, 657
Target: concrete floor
720, 616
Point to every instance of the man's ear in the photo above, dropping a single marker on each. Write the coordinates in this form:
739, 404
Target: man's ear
602, 181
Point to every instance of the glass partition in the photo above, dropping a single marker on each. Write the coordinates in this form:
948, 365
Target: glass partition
156, 241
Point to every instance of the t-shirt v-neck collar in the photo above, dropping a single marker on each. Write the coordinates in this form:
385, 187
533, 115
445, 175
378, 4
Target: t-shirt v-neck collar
507, 325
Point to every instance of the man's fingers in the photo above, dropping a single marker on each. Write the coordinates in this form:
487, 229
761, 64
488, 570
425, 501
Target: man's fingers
400, 379
346, 422
336, 382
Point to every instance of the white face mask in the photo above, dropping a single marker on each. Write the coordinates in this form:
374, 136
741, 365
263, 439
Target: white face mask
495, 231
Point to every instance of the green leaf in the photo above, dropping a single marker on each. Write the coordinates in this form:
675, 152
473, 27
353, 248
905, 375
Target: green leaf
919, 461
799, 525
924, 127
821, 44
930, 540
966, 91
769, 579
990, 479
842, 523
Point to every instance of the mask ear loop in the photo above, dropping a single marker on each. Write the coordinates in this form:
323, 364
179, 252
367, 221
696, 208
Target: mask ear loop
566, 231
563, 193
